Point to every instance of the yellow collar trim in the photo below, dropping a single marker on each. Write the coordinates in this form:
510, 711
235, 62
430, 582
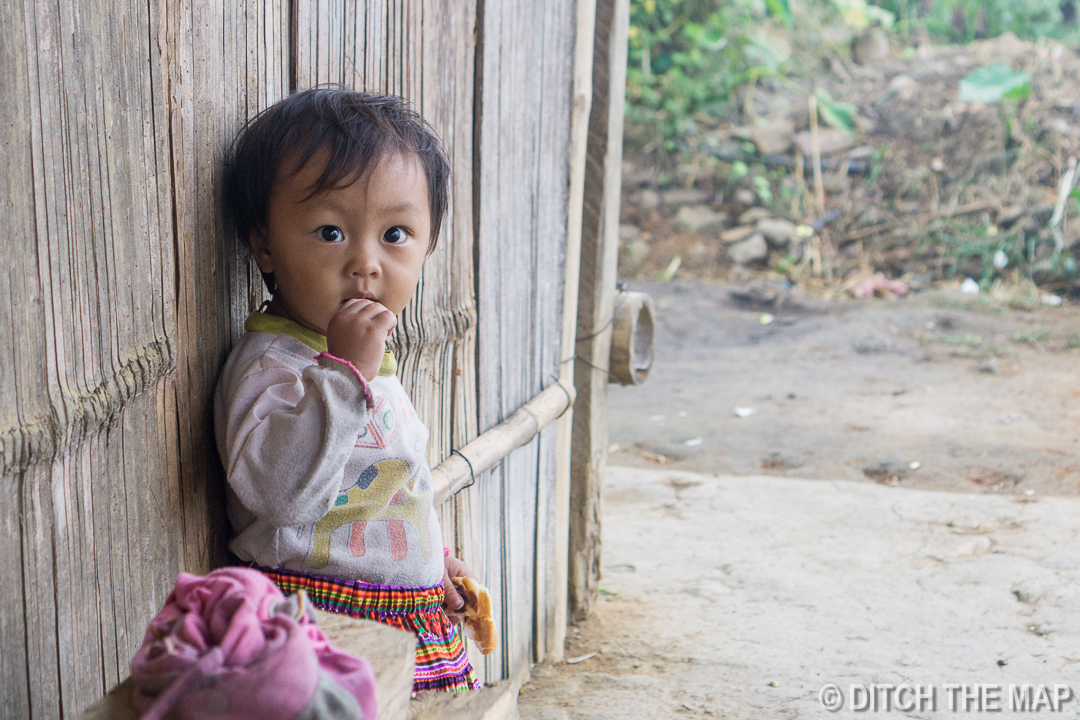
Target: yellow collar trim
261, 322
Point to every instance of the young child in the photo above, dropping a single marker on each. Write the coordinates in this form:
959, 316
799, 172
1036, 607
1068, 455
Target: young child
339, 196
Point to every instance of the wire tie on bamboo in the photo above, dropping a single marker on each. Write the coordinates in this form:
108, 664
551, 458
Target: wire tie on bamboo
605, 326
569, 399
472, 475
594, 366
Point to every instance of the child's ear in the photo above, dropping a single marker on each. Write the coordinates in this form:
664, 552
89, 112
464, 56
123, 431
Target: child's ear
259, 245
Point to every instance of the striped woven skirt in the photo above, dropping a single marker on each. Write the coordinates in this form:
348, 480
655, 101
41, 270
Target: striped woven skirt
441, 660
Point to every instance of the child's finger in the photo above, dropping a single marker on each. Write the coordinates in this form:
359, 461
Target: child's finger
452, 598
456, 568
374, 312
351, 309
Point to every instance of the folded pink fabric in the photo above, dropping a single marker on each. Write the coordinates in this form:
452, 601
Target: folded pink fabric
230, 646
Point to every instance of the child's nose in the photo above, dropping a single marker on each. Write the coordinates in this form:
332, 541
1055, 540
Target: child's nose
364, 261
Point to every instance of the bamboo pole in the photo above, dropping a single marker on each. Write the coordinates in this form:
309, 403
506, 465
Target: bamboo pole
458, 471
555, 641
596, 301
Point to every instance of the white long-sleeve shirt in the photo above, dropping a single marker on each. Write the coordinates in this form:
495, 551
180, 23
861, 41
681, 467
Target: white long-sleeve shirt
326, 472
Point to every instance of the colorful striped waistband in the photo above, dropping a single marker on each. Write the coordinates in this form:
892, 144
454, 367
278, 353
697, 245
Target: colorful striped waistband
356, 597
441, 660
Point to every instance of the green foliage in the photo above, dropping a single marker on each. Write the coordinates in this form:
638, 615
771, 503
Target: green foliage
965, 20
686, 57
838, 114
994, 83
860, 15
987, 254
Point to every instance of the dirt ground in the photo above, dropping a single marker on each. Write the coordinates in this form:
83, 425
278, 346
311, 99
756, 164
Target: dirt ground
815, 488
941, 391
907, 473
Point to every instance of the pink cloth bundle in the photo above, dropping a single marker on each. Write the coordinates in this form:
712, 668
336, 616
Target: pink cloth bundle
231, 646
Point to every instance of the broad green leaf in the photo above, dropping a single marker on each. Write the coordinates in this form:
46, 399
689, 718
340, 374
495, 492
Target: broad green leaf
992, 83
760, 51
859, 15
781, 9
838, 114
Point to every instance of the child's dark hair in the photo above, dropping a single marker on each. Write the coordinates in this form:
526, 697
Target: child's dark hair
356, 128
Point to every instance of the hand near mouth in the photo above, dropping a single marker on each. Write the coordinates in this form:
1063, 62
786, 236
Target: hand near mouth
358, 332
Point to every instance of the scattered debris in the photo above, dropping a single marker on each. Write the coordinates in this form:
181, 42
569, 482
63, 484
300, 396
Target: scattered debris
671, 269
886, 473
694, 442
762, 292
969, 287
582, 658
876, 285
953, 162
744, 412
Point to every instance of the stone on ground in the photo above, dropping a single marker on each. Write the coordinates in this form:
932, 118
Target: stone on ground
750, 250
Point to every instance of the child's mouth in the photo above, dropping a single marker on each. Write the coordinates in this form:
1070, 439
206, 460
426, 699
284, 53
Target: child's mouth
360, 296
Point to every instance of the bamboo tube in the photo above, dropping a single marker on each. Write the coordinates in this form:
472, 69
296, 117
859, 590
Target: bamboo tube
460, 469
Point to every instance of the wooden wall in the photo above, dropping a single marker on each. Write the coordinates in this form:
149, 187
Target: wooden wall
526, 68
123, 293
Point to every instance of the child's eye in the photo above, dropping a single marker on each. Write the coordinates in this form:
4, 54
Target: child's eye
332, 234
395, 235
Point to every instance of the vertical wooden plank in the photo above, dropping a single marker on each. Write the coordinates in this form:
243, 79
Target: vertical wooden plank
209, 40
42, 674
89, 294
107, 471
22, 374
599, 255
15, 677
506, 227
555, 185
523, 107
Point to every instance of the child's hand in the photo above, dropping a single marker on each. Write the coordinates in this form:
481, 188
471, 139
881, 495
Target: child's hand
453, 601
357, 333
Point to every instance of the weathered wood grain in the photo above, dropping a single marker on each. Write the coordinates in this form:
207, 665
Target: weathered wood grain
22, 374
391, 653
523, 131
599, 256
106, 460
228, 59
124, 292
91, 340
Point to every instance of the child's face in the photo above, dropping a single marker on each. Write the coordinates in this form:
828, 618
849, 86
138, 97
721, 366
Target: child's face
367, 240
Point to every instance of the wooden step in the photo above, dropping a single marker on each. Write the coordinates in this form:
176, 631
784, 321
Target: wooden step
494, 702
391, 652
